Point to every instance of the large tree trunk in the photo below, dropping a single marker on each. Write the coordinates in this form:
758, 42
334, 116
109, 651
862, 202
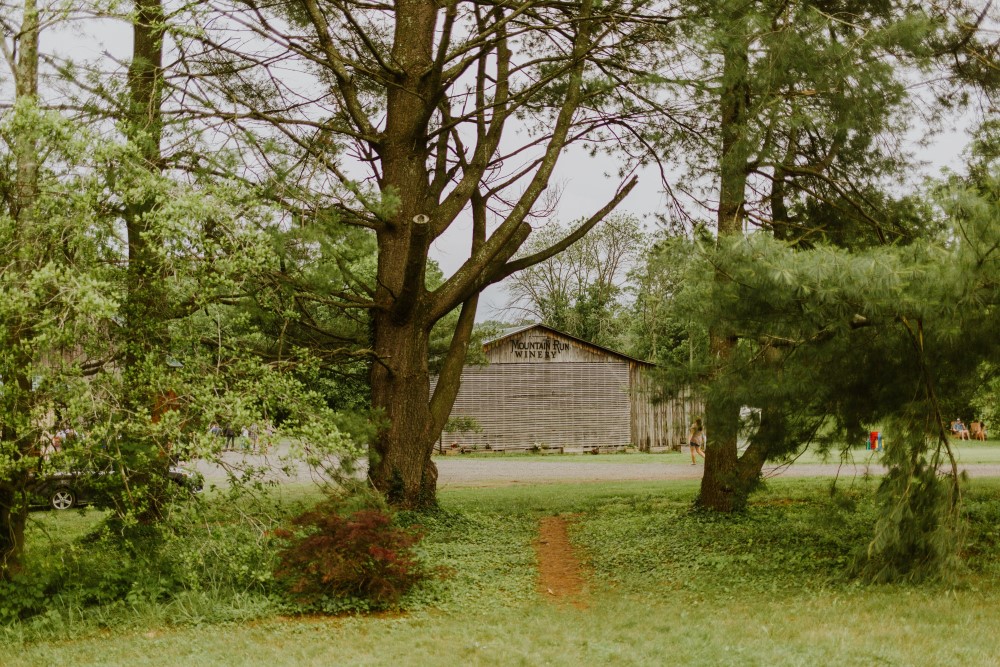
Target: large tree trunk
12, 521
401, 466
400, 463
721, 487
13, 510
400, 460
146, 306
145, 298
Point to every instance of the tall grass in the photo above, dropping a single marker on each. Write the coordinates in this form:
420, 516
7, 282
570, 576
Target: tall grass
670, 585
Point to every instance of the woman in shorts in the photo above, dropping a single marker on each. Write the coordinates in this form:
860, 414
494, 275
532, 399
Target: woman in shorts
696, 440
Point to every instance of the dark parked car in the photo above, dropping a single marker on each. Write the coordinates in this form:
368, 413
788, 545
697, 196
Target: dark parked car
65, 490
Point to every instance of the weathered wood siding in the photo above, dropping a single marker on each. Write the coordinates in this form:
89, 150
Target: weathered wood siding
573, 404
659, 423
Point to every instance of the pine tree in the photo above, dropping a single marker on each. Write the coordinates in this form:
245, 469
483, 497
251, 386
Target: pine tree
807, 108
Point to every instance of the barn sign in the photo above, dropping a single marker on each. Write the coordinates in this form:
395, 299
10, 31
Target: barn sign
544, 348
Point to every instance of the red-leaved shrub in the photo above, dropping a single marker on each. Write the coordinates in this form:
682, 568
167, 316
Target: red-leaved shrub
359, 556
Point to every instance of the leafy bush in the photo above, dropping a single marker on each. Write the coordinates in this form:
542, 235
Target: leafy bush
22, 597
200, 551
335, 560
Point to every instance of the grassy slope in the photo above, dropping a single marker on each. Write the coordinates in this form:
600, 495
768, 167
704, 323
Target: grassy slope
671, 586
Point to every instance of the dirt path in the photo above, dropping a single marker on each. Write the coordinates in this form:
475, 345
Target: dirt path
560, 574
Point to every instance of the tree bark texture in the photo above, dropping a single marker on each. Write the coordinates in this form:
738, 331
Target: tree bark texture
146, 306
401, 466
12, 522
721, 486
145, 301
13, 507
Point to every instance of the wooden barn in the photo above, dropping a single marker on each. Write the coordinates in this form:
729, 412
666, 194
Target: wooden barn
544, 388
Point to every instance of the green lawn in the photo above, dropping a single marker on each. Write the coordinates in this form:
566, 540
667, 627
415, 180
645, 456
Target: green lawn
853, 628
668, 586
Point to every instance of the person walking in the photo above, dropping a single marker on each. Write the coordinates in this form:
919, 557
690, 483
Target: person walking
230, 435
696, 440
254, 434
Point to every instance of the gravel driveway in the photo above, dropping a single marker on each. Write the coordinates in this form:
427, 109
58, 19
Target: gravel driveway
454, 471
458, 472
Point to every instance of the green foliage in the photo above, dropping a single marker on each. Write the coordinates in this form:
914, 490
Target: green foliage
830, 341
202, 356
650, 558
802, 127
856, 335
788, 540
481, 547
57, 299
198, 549
918, 535
458, 423
986, 399
23, 597
667, 288
335, 561
307, 309
580, 290
835, 341
820, 108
